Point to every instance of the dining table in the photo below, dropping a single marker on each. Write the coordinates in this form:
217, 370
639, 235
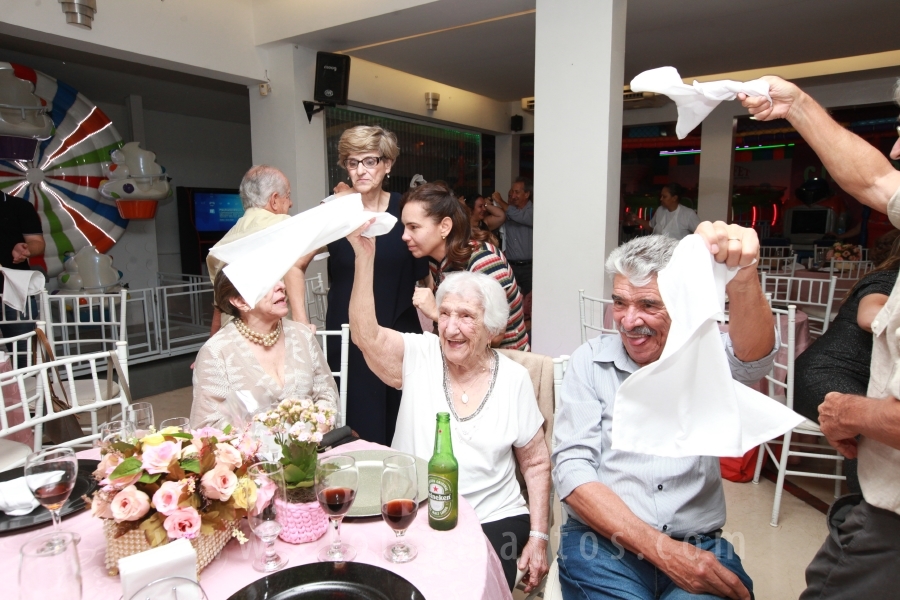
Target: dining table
456, 564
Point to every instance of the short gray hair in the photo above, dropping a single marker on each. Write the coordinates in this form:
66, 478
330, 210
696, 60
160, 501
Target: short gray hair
529, 188
259, 183
640, 258
488, 291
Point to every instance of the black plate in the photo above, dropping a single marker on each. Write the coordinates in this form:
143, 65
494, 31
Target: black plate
84, 485
331, 581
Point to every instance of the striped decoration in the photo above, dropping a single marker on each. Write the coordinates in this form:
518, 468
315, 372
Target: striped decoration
66, 172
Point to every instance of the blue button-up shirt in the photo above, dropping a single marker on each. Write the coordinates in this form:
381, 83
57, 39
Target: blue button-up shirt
680, 496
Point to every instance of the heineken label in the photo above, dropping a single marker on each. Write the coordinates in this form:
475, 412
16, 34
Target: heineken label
439, 496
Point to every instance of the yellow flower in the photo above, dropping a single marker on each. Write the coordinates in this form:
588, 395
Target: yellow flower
154, 439
244, 495
170, 430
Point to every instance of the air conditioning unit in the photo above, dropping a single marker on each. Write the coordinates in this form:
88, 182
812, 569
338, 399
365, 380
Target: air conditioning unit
631, 100
528, 104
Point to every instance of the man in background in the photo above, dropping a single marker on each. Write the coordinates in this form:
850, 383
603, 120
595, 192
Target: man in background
519, 234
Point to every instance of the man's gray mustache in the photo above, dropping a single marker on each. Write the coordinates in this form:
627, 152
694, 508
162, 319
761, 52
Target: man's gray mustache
641, 330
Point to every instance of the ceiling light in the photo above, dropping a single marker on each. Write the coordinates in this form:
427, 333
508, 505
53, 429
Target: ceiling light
79, 12
431, 100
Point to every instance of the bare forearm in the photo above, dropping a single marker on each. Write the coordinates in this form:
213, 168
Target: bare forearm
751, 325
295, 286
534, 462
875, 419
35, 244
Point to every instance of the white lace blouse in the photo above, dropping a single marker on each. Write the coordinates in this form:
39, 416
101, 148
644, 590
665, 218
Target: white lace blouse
226, 364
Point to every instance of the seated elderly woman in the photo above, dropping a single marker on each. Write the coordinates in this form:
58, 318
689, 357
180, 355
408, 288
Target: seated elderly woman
494, 415
258, 352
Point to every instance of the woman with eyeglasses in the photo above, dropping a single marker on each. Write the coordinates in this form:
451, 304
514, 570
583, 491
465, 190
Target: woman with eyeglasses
368, 153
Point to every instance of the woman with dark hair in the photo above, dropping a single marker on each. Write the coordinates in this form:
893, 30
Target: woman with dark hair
671, 218
259, 352
368, 153
485, 218
839, 360
437, 226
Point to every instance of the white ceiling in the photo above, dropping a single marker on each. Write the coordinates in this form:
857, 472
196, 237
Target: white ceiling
699, 37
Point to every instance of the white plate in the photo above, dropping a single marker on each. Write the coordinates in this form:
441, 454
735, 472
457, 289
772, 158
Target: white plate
368, 495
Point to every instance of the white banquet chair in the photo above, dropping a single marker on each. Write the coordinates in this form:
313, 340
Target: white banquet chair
592, 311
812, 296
341, 375
781, 388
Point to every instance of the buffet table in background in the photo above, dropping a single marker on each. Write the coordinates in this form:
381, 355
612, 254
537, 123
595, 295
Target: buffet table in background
457, 564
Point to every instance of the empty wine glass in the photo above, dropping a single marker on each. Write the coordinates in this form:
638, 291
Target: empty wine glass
399, 504
181, 422
141, 414
49, 567
337, 479
263, 516
116, 431
50, 475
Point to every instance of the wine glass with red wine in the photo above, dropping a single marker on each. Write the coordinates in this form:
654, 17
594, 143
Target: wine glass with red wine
399, 504
337, 479
50, 475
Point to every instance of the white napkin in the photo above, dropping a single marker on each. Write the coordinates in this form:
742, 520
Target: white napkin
259, 260
19, 285
16, 498
694, 102
175, 559
686, 403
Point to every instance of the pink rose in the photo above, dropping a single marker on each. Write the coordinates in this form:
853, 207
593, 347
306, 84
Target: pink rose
228, 456
156, 459
166, 498
130, 504
100, 506
107, 465
218, 484
183, 523
122, 482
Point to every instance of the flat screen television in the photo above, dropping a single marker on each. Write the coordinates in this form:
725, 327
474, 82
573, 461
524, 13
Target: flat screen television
216, 211
807, 224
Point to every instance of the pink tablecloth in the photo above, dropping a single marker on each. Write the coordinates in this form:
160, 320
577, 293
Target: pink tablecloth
15, 416
463, 553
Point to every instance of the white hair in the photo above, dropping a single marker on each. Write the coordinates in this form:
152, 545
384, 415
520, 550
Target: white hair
640, 258
486, 289
259, 183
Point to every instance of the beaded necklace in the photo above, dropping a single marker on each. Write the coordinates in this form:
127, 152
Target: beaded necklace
448, 388
268, 340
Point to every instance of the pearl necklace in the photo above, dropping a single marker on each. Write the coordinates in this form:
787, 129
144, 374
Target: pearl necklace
268, 340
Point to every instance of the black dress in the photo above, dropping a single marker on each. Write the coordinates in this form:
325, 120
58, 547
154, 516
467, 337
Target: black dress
372, 406
839, 360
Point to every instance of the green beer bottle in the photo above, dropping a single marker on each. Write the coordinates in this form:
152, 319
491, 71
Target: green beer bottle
443, 479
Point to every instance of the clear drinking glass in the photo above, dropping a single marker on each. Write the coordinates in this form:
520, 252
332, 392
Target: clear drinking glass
50, 475
263, 516
116, 431
141, 414
337, 480
49, 567
183, 422
399, 504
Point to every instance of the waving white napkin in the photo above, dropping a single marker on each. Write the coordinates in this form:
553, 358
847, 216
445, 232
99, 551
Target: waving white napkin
16, 498
19, 285
694, 102
686, 403
259, 260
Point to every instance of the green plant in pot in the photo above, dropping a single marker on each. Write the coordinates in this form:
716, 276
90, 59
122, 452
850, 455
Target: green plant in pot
298, 425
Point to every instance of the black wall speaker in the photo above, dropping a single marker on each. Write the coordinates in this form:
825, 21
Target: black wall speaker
332, 78
517, 123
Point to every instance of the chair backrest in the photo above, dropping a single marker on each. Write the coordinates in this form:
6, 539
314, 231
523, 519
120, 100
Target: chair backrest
812, 296
540, 368
781, 377
782, 265
19, 349
85, 323
43, 411
593, 313
32, 313
316, 299
775, 251
848, 272
344, 335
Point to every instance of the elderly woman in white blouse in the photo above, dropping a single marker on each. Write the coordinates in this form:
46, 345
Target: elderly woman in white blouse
259, 352
495, 420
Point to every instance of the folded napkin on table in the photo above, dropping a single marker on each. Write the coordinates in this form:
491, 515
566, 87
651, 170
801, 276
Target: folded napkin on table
259, 260
175, 559
686, 403
694, 102
16, 498
19, 285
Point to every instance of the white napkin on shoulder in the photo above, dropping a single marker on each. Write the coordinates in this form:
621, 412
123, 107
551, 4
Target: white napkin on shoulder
257, 261
16, 498
686, 403
19, 285
694, 102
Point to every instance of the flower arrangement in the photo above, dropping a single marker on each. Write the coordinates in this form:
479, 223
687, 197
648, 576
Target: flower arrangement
840, 251
298, 425
174, 484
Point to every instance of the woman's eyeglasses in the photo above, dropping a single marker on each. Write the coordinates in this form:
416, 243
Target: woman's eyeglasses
369, 162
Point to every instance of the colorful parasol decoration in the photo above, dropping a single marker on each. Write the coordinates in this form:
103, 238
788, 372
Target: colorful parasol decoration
63, 175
